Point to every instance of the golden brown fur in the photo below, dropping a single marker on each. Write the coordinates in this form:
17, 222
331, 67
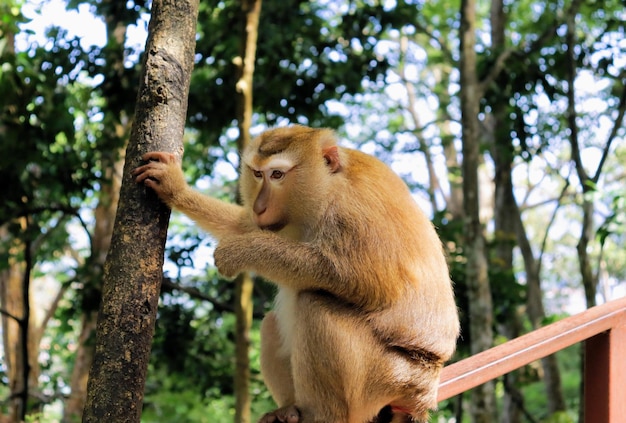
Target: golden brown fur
365, 315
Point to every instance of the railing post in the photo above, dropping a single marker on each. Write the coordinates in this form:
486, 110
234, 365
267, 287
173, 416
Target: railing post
605, 376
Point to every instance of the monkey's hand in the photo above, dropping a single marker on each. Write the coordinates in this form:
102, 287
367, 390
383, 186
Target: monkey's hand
230, 255
289, 414
163, 174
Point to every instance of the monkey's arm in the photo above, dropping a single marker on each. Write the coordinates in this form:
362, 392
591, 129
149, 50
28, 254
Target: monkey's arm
297, 265
163, 174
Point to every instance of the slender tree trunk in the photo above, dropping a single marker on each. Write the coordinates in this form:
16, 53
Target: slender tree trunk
21, 332
133, 268
504, 221
83, 359
503, 243
12, 303
483, 408
536, 314
433, 182
244, 284
454, 201
586, 235
15, 310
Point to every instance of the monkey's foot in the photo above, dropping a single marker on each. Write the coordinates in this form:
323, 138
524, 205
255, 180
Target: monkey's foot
289, 414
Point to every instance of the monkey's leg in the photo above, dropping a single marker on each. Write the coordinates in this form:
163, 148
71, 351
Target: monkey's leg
342, 373
335, 359
275, 365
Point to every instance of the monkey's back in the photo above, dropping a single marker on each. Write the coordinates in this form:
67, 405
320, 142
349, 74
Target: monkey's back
407, 255
394, 219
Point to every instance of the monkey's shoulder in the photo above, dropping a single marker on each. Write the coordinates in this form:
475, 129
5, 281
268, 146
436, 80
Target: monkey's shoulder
357, 161
370, 176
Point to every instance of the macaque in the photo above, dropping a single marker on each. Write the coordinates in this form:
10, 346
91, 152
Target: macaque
364, 315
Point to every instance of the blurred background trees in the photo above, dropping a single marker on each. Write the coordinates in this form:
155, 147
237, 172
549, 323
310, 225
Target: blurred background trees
519, 104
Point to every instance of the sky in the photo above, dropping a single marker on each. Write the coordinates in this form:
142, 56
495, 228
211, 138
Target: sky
81, 23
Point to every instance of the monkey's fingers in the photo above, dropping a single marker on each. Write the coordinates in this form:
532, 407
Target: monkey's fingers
148, 171
159, 156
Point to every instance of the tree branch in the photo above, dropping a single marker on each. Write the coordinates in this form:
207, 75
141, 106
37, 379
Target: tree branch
617, 124
10, 316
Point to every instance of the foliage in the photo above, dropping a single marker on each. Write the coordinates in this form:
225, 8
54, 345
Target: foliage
45, 170
325, 64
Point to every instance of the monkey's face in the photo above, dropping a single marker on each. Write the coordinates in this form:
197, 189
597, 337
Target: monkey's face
266, 185
285, 179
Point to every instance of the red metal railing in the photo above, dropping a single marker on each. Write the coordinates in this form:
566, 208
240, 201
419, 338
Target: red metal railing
603, 328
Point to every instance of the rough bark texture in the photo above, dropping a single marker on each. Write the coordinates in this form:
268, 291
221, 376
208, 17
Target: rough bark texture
244, 284
133, 269
482, 406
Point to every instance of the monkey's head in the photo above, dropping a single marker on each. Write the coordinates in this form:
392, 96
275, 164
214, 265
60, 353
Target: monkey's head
278, 170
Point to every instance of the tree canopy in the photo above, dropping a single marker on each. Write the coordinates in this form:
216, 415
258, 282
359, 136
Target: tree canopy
534, 91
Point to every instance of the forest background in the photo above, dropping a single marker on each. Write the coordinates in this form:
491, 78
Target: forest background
522, 102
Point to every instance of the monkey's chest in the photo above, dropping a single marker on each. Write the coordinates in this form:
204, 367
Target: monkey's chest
285, 307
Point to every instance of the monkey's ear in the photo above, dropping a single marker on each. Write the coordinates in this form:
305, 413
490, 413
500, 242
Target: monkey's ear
331, 156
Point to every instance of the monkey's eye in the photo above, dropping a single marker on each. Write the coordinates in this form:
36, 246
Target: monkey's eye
257, 174
277, 175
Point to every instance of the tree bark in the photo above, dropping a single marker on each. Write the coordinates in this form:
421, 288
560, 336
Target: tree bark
133, 268
244, 284
504, 221
12, 301
21, 330
482, 407
536, 314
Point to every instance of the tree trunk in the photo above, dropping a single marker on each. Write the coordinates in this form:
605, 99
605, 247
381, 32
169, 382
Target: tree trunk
83, 359
133, 268
20, 337
504, 221
244, 284
434, 186
536, 314
586, 232
479, 295
503, 244
21, 330
587, 184
12, 305
454, 201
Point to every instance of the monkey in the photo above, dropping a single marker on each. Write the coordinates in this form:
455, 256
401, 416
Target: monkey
364, 316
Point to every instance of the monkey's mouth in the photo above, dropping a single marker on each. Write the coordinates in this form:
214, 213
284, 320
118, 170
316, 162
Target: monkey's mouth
274, 227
